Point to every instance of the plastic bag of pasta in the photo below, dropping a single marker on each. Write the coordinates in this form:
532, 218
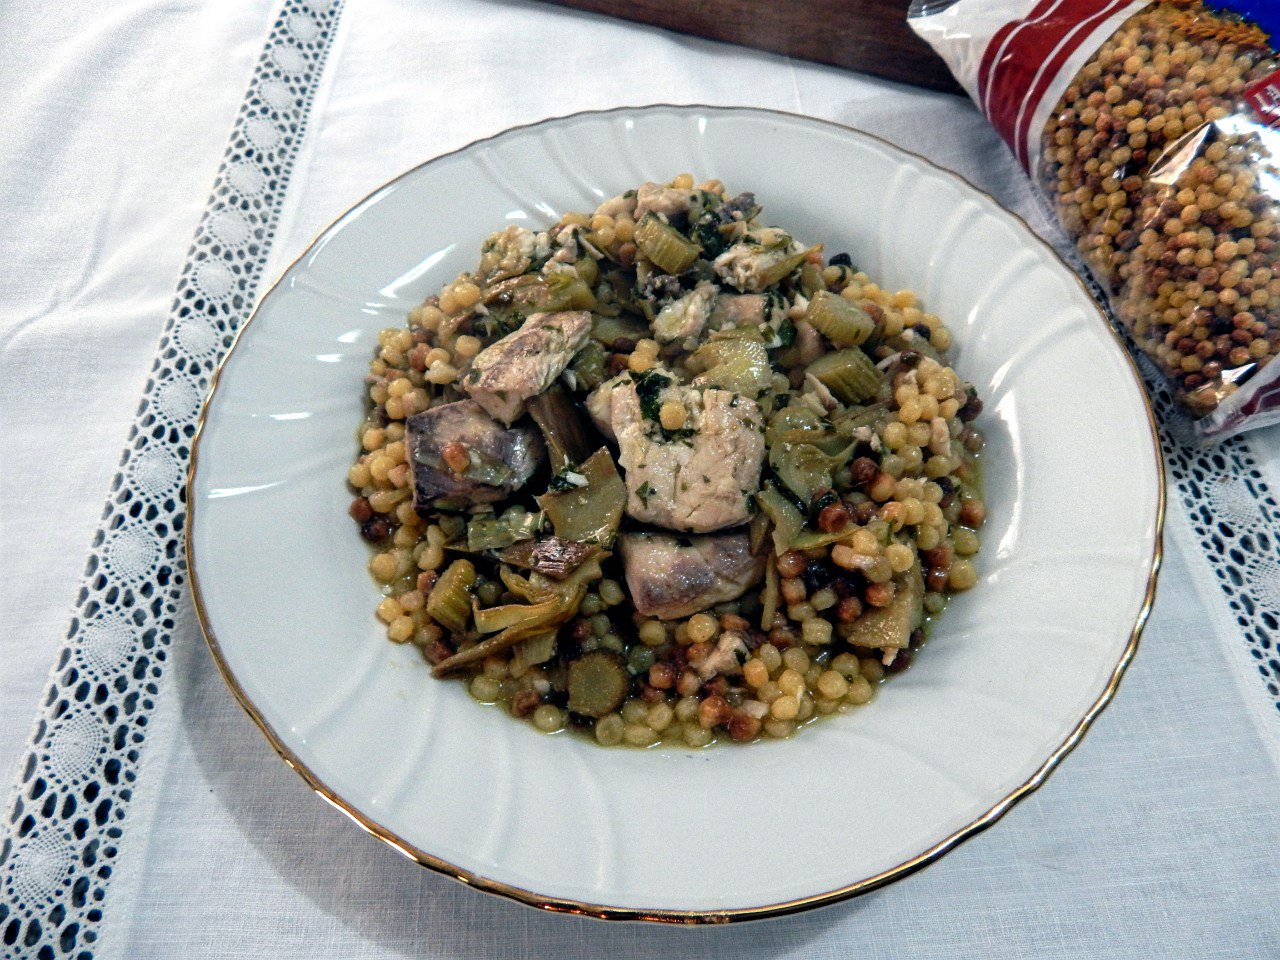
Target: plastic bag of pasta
1150, 129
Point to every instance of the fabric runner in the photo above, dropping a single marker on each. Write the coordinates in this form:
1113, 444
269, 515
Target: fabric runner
133, 705
72, 803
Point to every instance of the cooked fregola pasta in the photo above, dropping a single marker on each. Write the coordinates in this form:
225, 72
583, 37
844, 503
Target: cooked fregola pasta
665, 474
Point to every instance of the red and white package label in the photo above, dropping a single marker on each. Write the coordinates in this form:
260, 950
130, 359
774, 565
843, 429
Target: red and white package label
1016, 57
1264, 96
1022, 65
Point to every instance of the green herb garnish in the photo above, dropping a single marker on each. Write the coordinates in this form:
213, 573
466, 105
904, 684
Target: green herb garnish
786, 333
648, 387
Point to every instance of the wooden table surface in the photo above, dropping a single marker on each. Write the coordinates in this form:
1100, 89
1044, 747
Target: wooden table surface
870, 36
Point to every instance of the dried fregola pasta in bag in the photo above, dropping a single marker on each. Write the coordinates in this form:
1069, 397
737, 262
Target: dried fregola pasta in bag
1150, 129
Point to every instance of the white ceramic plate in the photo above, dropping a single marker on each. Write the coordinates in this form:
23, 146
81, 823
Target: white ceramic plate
1007, 685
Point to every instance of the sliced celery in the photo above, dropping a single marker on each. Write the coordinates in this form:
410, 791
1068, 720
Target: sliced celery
843, 323
449, 603
663, 244
850, 375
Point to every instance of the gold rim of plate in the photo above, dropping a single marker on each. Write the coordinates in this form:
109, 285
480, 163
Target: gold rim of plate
685, 917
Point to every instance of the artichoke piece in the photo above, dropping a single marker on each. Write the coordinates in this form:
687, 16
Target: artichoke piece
534, 293
453, 527
809, 539
588, 368
565, 292
589, 514
757, 530
530, 620
587, 572
563, 427
889, 627
494, 533
664, 245
769, 602
737, 364
787, 520
539, 586
449, 603
754, 333
803, 468
518, 585
843, 323
609, 330
598, 683
852, 420
553, 556
538, 649
795, 423
551, 604
811, 280
493, 619
850, 375
838, 449
780, 270
587, 269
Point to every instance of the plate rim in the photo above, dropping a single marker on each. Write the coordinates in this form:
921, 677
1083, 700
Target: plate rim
604, 911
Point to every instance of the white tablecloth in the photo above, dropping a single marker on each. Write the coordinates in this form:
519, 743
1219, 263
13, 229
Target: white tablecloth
1157, 837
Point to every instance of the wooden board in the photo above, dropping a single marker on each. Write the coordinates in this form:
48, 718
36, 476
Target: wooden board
870, 36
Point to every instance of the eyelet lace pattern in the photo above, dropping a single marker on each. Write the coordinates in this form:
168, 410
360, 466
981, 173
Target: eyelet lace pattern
1232, 511
1236, 522
71, 807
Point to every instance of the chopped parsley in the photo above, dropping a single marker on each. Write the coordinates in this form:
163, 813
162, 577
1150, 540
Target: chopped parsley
567, 479
649, 385
645, 491
707, 233
682, 435
786, 333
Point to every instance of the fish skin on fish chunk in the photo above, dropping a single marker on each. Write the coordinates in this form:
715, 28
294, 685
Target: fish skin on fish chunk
671, 576
503, 458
